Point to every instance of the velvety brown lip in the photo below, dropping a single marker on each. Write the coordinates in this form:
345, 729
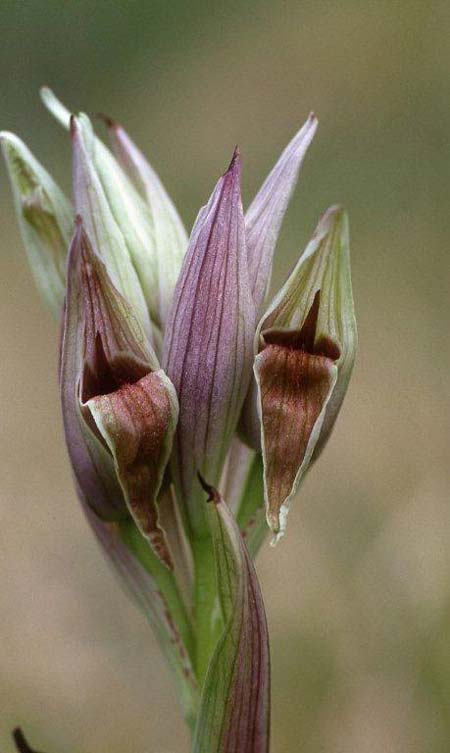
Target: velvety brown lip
294, 386
136, 418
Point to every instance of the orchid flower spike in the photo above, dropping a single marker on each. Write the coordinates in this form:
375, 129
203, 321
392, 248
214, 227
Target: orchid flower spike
174, 367
305, 350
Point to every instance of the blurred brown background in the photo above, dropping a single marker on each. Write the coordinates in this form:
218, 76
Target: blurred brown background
358, 594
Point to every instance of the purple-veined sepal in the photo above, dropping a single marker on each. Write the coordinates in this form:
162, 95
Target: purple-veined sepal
305, 350
234, 712
208, 346
265, 214
119, 408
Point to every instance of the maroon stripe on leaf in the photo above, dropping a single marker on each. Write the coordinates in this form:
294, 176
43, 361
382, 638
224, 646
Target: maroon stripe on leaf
235, 705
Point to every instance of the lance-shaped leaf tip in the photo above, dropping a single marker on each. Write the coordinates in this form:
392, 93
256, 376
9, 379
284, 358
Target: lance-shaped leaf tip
306, 344
45, 219
209, 337
119, 408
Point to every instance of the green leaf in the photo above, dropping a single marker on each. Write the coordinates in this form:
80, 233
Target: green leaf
234, 710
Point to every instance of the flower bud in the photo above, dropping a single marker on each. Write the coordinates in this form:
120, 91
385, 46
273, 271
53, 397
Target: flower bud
45, 218
119, 408
152, 232
208, 340
306, 344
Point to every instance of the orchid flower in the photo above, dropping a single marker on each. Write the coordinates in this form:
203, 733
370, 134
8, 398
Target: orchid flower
193, 405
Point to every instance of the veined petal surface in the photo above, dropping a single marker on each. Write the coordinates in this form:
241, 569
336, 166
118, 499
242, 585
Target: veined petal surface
208, 340
265, 214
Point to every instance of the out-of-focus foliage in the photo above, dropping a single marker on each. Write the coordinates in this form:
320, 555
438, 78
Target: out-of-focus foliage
358, 594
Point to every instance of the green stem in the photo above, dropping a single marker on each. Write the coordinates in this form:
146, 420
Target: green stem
205, 601
165, 580
250, 514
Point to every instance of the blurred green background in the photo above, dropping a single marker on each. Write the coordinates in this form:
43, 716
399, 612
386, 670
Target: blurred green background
358, 594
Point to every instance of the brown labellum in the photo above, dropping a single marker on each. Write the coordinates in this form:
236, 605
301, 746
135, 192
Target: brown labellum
134, 421
295, 377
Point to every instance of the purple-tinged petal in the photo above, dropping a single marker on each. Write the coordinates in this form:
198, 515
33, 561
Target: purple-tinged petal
265, 214
209, 340
235, 703
119, 408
